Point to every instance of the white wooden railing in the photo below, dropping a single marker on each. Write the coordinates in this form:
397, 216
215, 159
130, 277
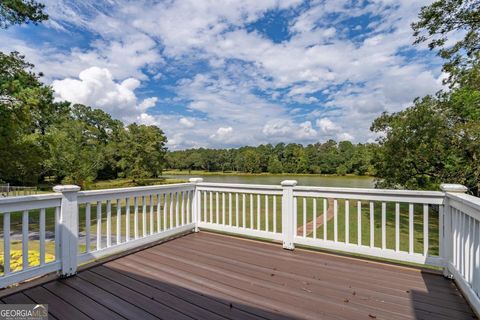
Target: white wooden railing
462, 242
88, 225
17, 213
376, 207
432, 228
246, 209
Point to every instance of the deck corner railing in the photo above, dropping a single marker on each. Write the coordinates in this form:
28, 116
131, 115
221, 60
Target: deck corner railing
71, 227
461, 248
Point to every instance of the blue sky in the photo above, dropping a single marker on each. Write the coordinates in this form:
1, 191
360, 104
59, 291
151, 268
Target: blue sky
232, 73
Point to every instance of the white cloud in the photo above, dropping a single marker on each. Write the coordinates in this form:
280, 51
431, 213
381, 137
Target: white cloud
307, 131
147, 119
222, 133
187, 122
345, 136
327, 126
280, 130
147, 103
252, 85
96, 87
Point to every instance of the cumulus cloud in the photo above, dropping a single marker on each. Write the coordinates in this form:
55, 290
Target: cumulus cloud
96, 87
222, 133
278, 130
187, 122
329, 78
327, 126
345, 136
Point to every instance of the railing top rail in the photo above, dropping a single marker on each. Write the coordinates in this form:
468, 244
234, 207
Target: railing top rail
12, 204
134, 189
436, 194
388, 195
467, 203
467, 199
36, 197
240, 186
118, 193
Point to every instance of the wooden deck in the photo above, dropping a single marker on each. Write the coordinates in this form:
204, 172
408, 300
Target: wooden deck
209, 276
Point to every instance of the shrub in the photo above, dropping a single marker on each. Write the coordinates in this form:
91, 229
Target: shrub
16, 260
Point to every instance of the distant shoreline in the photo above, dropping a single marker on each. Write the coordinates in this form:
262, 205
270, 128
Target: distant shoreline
237, 173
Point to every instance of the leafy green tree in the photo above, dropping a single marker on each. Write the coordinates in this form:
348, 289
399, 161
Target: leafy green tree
438, 138
438, 21
72, 143
251, 160
142, 151
274, 165
25, 103
291, 158
414, 146
27, 110
342, 170
21, 11
329, 158
361, 162
75, 157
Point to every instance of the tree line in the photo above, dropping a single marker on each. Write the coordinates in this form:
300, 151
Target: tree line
325, 158
70, 143
41, 139
437, 139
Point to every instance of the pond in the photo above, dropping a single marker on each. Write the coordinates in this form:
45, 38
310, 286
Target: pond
304, 180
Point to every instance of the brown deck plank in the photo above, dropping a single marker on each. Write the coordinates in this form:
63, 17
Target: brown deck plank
265, 293
171, 278
291, 285
238, 299
374, 273
81, 301
17, 298
381, 271
199, 299
346, 280
453, 298
110, 301
56, 306
427, 290
331, 303
177, 304
140, 300
301, 284
212, 276
21, 298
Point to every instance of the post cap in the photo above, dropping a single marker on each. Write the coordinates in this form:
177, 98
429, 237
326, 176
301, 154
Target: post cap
288, 183
451, 187
195, 180
66, 188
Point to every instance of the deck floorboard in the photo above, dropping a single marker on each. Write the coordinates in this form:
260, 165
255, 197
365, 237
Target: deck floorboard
211, 276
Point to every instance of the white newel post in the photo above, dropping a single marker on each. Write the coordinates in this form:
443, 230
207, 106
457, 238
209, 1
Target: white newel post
68, 229
196, 202
288, 217
446, 248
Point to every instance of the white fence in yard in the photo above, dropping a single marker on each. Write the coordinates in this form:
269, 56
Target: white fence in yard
6, 190
71, 227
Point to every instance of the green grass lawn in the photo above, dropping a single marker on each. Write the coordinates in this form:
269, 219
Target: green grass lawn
124, 183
